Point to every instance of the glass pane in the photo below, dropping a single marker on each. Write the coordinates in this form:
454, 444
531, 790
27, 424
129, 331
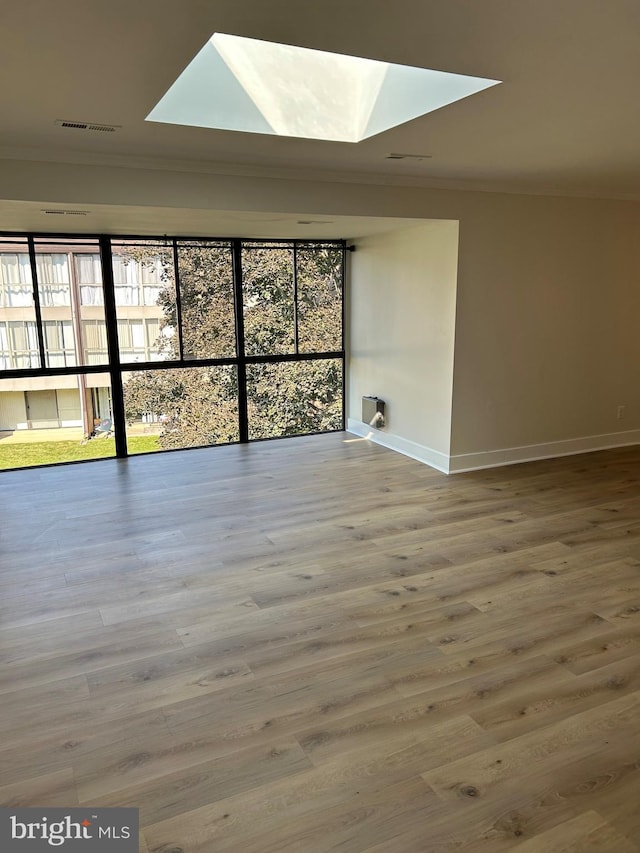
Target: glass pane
49, 419
319, 272
267, 288
206, 301
18, 334
294, 398
145, 296
54, 277
181, 407
89, 274
71, 302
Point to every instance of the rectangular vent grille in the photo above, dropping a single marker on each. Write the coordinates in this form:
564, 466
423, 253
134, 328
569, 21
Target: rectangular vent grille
398, 156
85, 125
52, 212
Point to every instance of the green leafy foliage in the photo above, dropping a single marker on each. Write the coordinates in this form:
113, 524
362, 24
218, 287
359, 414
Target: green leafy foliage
198, 405
206, 298
294, 398
267, 293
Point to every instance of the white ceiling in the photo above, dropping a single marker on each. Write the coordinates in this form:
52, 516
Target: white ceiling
564, 121
130, 219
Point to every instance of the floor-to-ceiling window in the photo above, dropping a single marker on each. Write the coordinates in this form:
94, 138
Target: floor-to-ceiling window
55, 382
123, 346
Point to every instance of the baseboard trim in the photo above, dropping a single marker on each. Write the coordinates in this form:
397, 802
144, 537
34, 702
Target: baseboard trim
461, 462
464, 462
433, 458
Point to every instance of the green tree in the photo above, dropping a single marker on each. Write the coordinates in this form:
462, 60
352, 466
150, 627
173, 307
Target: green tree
198, 405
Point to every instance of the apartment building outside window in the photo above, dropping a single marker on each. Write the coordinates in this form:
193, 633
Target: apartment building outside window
245, 339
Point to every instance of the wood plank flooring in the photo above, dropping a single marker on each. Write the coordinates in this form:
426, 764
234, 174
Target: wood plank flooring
319, 645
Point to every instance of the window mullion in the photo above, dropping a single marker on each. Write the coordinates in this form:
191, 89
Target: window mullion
243, 413
36, 301
176, 278
115, 372
295, 297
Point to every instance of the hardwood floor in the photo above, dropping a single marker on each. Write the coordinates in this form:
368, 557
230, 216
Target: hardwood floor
319, 645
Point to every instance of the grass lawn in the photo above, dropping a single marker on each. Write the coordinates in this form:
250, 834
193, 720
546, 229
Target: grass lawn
48, 452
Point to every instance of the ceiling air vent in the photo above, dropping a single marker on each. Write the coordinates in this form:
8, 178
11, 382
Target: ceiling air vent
53, 212
395, 156
86, 125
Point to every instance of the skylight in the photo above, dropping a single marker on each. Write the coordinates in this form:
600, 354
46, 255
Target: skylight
244, 84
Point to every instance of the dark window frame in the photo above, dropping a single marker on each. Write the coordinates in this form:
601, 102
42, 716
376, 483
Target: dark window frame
116, 367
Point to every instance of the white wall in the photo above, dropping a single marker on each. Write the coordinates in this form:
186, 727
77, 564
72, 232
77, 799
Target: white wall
402, 297
546, 340
548, 302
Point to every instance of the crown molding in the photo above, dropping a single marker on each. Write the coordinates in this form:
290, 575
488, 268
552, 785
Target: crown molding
247, 170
